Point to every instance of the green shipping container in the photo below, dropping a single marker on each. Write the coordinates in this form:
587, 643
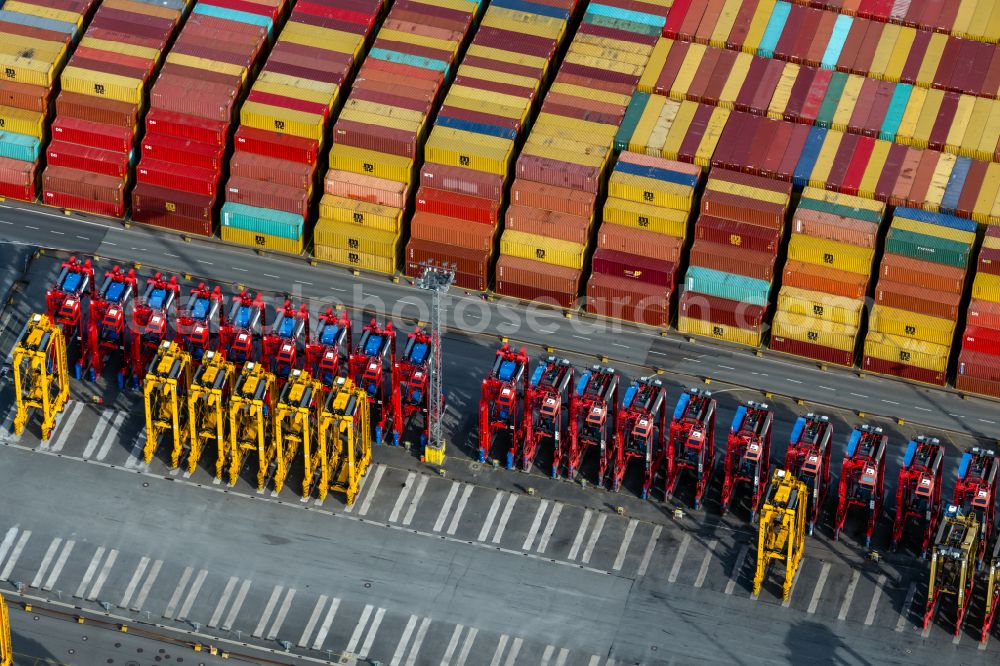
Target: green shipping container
633, 114
927, 248
262, 220
842, 211
622, 24
727, 285
833, 92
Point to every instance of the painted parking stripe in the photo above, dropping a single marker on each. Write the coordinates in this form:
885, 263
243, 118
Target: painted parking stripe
595, 534
824, 572
411, 659
313, 619
470, 639
359, 629
372, 632
134, 582
678, 559
848, 595
547, 654
8, 541
102, 424
490, 516
879, 584
562, 657
446, 507
175, 598
703, 571
286, 604
88, 575
418, 493
452, 645
58, 567
529, 541
574, 550
220, 607
403, 494
504, 518
102, 577
112, 436
192, 595
550, 527
904, 613
147, 586
15, 555
404, 640
623, 551
268, 610
46, 560
498, 653
370, 492
648, 554
324, 628
737, 567
460, 509
515, 649
69, 420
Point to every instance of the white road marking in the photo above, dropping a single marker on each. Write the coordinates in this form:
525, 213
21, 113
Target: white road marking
102, 424
237, 268
57, 233
397, 656
15, 554
133, 583
870, 617
359, 629
529, 540
828, 388
594, 661
111, 436
202, 261
907, 604
737, 567
793, 381
623, 550
102, 577
199, 580
703, 571
595, 534
515, 648
580, 533
220, 607
504, 518
987, 421
28, 226
562, 657
498, 653
618, 344
95, 561
411, 659
795, 581
824, 572
82, 237
178, 591
490, 516
168, 254
313, 619
452, 645
659, 353
859, 395
446, 507
272, 601
460, 509
648, 555
8, 541
66, 428
411, 510
890, 402
727, 367
848, 595
46, 561
286, 604
324, 628
135, 457
304, 282
147, 586
276, 277
550, 527
60, 563
580, 337
679, 559
470, 639
547, 654
401, 499
922, 409
373, 486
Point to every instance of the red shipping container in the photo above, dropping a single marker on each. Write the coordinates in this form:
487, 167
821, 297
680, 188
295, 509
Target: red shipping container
273, 144
175, 222
900, 369
449, 231
366, 188
971, 384
458, 206
262, 194
908, 296
989, 261
271, 170
283, 102
376, 95
558, 173
97, 135
979, 365
552, 224
985, 314
16, 191
35, 33
620, 298
198, 101
186, 127
177, 177
182, 151
721, 311
813, 351
640, 242
813, 277
149, 201
17, 172
464, 181
636, 268
735, 260
553, 197
538, 275
71, 202
95, 160
363, 18
502, 66
738, 234
980, 339
473, 262
537, 294
926, 275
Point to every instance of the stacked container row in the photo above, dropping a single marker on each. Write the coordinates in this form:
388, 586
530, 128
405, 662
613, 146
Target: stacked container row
192, 105
98, 110
284, 121
972, 19
469, 153
37, 39
639, 245
872, 168
957, 123
727, 289
979, 361
912, 324
561, 168
826, 39
380, 132
831, 250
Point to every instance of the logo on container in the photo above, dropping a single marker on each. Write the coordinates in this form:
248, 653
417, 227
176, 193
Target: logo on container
369, 168
718, 330
828, 258
353, 258
170, 206
818, 310
464, 160
647, 196
260, 240
643, 221
10, 73
279, 125
735, 239
539, 253
904, 356
911, 330
99, 88
353, 243
359, 218
813, 336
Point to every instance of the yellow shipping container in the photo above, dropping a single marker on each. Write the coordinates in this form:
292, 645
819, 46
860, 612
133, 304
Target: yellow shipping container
21, 121
727, 17
900, 54
973, 134
305, 84
661, 129
261, 241
500, 77
814, 331
26, 70
657, 61
487, 97
99, 84
448, 45
912, 325
142, 8
708, 329
284, 121
934, 230
569, 147
327, 40
586, 43
376, 263
932, 58
678, 130
620, 64
991, 33
685, 76
831, 253
873, 172
371, 163
737, 77
986, 287
710, 139
849, 200
884, 49
928, 116
649, 190
462, 102
836, 309
479, 51
991, 243
897, 349
593, 94
294, 92
623, 53
351, 211
990, 132
548, 152
524, 22
384, 111
63, 15
963, 18
939, 182
758, 24
671, 222
206, 64
960, 123
586, 128
987, 194
49, 51
908, 125
824, 161
783, 91
151, 54
647, 121
441, 148
366, 118
848, 100
760, 194
463, 6
355, 238
542, 248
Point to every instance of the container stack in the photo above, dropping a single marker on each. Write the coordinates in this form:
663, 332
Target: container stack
979, 360
192, 104
103, 96
830, 254
727, 288
921, 279
284, 119
467, 159
38, 39
639, 244
381, 130
561, 167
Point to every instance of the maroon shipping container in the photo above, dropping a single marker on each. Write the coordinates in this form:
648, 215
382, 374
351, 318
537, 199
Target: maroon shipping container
449, 231
796, 142
150, 200
989, 261
518, 42
620, 298
459, 206
721, 310
979, 365
736, 260
501, 66
466, 281
270, 169
273, 144
185, 126
395, 83
182, 151
900, 369
377, 138
671, 68
558, 173
177, 176
268, 195
635, 268
175, 222
640, 242
536, 294
464, 181
972, 384
742, 209
34, 33
720, 75
183, 73
738, 234
473, 262
536, 274
552, 224
194, 98
775, 151
973, 185
85, 186
95, 160
813, 351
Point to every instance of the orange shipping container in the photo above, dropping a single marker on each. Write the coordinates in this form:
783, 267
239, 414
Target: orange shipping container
449, 231
816, 277
640, 242
553, 224
550, 197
